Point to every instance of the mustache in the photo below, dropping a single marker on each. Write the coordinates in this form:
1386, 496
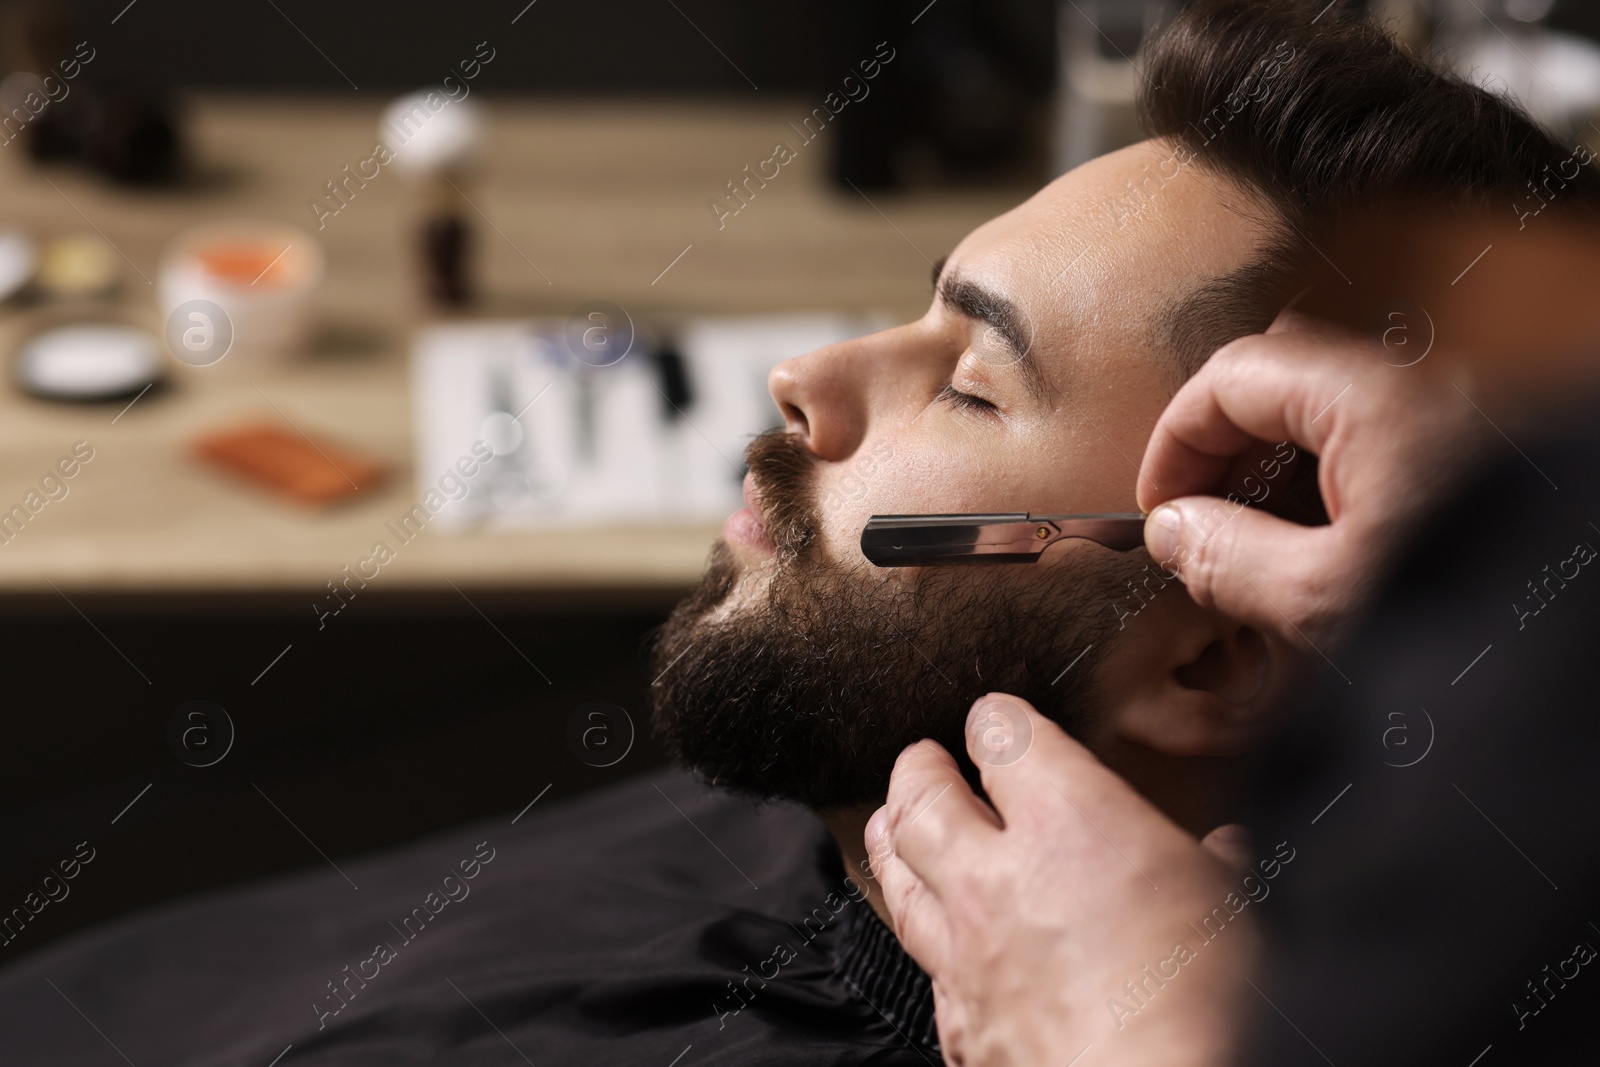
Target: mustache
784, 473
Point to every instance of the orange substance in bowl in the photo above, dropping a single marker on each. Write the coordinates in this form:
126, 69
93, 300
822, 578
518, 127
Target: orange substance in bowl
245, 264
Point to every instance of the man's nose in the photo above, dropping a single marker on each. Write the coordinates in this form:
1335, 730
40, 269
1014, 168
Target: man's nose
824, 397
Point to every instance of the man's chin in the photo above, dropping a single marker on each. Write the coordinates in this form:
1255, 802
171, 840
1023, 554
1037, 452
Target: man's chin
778, 679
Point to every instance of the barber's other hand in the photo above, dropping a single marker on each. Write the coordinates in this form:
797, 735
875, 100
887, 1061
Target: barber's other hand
1031, 915
1390, 440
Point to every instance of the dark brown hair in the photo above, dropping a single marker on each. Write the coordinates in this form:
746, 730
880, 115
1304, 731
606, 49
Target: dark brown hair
1320, 114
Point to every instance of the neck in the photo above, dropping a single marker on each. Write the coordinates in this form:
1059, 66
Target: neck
848, 828
1199, 793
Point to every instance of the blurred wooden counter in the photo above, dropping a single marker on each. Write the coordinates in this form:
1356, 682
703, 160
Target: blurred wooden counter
583, 201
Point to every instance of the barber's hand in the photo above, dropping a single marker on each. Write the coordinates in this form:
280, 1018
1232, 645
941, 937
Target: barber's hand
1031, 915
1390, 440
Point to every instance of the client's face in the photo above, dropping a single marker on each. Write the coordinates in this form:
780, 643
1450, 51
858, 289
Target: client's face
1031, 384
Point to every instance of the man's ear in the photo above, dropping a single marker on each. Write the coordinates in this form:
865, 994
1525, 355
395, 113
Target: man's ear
1182, 680
1289, 320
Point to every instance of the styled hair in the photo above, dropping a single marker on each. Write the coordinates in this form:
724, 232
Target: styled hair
1320, 114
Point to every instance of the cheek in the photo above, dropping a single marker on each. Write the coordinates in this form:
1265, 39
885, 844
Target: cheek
868, 484
912, 472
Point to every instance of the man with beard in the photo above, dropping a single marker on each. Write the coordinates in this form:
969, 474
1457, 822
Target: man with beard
659, 924
1056, 337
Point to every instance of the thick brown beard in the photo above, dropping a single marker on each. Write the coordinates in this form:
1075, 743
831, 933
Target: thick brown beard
811, 693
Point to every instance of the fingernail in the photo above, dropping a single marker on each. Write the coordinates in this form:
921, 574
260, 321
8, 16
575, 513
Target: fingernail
999, 731
985, 704
1161, 532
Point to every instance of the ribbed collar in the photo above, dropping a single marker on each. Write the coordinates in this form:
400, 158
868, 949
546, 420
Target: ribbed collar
868, 956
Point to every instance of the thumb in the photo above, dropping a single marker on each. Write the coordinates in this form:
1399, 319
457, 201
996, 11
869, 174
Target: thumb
1232, 845
1275, 575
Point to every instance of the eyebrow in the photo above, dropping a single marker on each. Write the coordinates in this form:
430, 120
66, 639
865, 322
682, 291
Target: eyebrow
984, 305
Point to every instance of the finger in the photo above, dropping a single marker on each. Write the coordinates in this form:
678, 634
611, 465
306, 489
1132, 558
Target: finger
1232, 845
918, 916
1260, 388
1003, 731
933, 818
1043, 763
1273, 574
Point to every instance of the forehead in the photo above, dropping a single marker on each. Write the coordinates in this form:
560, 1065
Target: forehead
1104, 250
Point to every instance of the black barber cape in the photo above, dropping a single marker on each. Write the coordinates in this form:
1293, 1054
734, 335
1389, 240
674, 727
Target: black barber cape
610, 930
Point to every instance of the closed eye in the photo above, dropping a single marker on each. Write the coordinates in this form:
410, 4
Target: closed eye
965, 401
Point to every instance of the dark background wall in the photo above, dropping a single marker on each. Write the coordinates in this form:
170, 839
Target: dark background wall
589, 47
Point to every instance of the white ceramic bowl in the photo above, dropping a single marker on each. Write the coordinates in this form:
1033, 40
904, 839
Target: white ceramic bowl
261, 274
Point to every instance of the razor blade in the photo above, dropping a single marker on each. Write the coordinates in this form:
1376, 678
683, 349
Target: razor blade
938, 540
